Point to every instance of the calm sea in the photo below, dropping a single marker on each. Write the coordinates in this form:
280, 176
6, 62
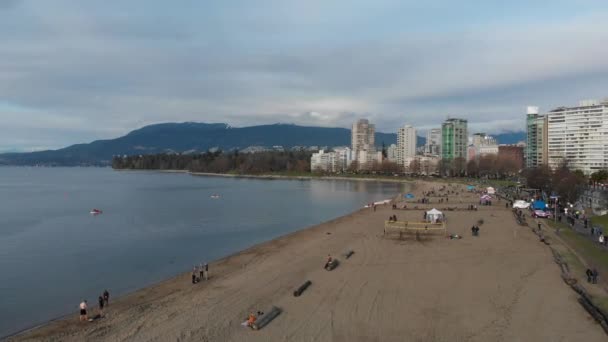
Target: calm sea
54, 253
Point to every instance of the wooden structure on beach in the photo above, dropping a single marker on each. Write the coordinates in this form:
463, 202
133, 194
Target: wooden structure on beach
414, 229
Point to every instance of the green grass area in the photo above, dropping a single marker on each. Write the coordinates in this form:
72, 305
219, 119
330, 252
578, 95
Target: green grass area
586, 248
600, 220
590, 251
601, 302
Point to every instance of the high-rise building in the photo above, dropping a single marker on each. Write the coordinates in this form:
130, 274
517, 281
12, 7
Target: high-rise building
363, 135
578, 135
433, 142
454, 138
536, 138
406, 143
482, 145
512, 152
391, 153
363, 144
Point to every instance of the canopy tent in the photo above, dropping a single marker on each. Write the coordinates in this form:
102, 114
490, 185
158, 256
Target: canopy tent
485, 198
539, 205
490, 190
410, 195
434, 216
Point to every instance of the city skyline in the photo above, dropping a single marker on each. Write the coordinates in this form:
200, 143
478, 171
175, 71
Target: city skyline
76, 72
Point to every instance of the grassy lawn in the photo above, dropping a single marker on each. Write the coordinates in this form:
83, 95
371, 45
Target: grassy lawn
589, 250
600, 220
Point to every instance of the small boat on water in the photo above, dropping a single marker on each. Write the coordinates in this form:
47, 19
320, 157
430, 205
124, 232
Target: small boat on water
96, 212
215, 196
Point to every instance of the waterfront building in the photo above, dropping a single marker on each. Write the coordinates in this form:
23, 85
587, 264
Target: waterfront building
424, 165
433, 142
536, 138
454, 139
579, 135
335, 161
363, 135
363, 143
406, 143
391, 153
512, 152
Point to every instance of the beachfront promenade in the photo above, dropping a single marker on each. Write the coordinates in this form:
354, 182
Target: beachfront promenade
500, 286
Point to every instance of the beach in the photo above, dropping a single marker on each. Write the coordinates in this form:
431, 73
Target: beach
500, 286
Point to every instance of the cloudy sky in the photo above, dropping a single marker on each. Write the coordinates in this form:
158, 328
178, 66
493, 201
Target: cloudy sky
76, 71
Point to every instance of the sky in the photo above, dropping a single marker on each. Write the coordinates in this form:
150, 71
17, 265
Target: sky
77, 71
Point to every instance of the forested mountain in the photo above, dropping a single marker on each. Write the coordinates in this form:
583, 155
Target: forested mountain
193, 137
188, 137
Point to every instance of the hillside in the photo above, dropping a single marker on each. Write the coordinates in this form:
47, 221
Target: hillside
193, 137
181, 137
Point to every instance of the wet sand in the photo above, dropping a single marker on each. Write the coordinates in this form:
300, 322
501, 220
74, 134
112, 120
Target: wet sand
500, 286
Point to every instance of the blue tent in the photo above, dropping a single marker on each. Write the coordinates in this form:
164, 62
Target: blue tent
470, 187
410, 195
539, 205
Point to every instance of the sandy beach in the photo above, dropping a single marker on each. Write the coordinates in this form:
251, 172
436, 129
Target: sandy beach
500, 286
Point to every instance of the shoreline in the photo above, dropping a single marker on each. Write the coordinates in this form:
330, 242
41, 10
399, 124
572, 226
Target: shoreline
213, 263
501, 285
286, 177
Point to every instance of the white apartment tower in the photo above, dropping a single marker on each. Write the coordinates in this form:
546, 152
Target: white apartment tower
579, 135
406, 144
363, 136
433, 142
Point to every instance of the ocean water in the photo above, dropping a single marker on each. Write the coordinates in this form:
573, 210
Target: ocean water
54, 253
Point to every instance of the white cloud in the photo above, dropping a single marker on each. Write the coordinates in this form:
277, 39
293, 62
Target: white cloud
97, 71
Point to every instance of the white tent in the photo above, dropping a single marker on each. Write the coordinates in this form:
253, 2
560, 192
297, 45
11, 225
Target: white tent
434, 215
490, 190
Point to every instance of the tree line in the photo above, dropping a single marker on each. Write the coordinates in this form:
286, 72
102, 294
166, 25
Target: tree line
219, 162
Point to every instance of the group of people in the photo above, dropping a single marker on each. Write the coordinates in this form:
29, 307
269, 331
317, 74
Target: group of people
592, 276
200, 272
103, 300
392, 218
472, 207
475, 230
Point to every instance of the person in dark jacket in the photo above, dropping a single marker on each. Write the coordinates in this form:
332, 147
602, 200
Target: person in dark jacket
594, 275
589, 274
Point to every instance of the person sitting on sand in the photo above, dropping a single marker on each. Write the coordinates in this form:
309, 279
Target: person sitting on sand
329, 260
251, 319
83, 311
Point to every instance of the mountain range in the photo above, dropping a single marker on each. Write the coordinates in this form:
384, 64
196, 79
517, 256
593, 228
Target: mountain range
200, 137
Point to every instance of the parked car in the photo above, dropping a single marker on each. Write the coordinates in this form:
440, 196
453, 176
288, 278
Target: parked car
541, 214
519, 204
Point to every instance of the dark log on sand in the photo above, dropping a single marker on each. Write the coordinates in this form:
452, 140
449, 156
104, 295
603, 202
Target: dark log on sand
349, 254
267, 318
333, 264
302, 288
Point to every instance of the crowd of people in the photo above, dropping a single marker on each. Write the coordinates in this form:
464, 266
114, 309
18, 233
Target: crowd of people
200, 272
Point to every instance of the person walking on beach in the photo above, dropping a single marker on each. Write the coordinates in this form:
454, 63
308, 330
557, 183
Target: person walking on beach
201, 271
83, 311
101, 302
106, 297
206, 271
194, 275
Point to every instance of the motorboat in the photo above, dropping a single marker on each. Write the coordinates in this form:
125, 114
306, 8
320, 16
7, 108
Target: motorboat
215, 196
96, 212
